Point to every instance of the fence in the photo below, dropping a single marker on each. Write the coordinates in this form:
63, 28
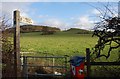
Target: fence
49, 64
89, 64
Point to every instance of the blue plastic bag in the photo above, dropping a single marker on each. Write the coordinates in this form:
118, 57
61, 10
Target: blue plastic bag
77, 60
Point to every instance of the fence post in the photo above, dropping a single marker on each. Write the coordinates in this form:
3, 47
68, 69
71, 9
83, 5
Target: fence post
88, 61
53, 64
65, 64
25, 67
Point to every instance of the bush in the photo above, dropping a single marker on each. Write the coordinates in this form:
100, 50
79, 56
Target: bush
7, 50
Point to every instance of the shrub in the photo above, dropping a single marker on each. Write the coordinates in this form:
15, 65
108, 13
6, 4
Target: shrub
7, 50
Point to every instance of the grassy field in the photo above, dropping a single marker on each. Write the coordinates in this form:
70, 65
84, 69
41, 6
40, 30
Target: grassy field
60, 43
63, 43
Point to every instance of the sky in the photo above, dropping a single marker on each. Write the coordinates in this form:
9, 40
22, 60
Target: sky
63, 15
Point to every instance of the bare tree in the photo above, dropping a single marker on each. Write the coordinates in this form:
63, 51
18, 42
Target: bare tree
108, 32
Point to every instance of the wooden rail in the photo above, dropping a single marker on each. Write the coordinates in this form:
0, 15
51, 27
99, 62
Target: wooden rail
104, 63
88, 63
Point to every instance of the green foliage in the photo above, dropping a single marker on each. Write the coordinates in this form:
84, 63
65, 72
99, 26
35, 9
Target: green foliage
37, 28
47, 31
7, 48
7, 55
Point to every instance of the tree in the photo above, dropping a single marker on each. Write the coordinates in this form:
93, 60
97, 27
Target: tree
47, 31
108, 33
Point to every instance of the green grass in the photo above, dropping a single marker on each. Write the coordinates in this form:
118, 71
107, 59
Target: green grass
61, 43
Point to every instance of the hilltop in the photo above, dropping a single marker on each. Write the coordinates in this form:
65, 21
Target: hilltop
35, 28
79, 31
40, 28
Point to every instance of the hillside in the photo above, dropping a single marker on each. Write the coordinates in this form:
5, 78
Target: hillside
35, 28
78, 31
38, 28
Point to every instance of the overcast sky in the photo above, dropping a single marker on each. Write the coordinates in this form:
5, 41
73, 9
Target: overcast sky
64, 15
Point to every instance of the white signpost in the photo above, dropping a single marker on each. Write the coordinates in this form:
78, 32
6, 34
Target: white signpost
16, 23
26, 20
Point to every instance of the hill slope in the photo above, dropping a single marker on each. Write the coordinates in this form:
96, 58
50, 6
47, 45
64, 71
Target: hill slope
79, 31
34, 28
37, 28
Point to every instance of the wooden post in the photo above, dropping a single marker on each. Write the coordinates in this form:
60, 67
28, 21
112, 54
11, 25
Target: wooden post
88, 61
17, 62
25, 67
0, 51
65, 64
119, 9
53, 64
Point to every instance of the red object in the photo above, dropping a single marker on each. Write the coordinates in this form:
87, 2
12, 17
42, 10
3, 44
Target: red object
78, 71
